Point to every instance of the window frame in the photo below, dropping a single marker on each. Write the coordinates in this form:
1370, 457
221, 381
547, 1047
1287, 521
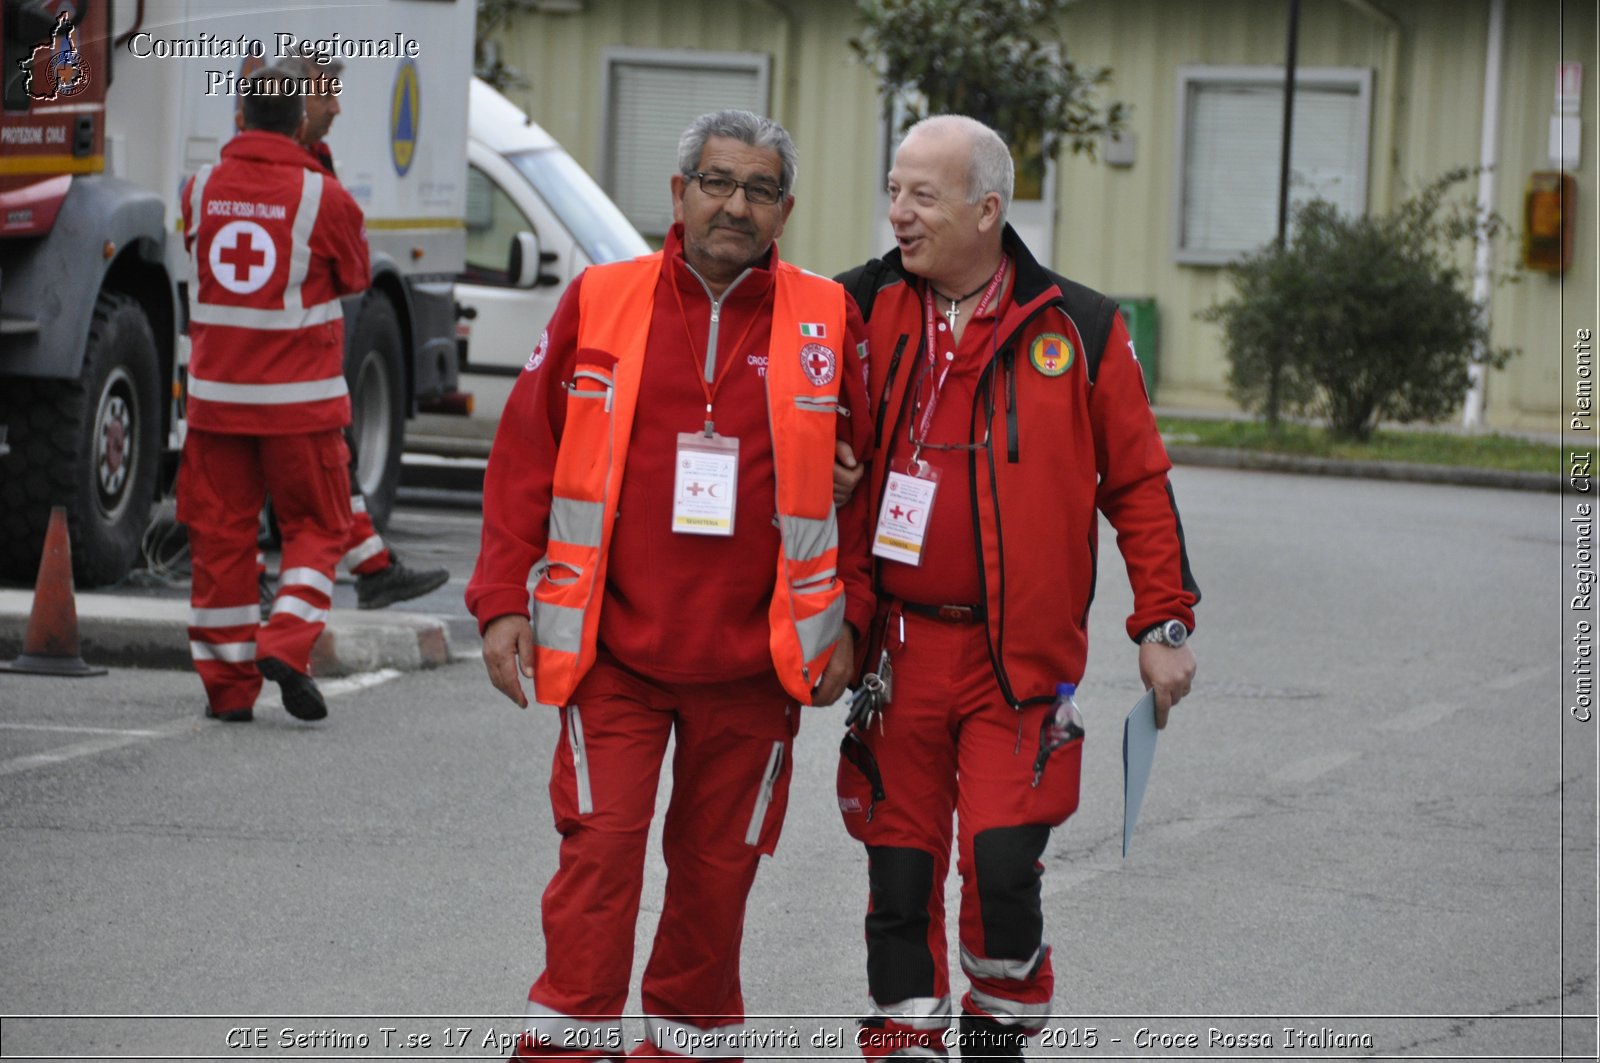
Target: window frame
1340, 79
687, 59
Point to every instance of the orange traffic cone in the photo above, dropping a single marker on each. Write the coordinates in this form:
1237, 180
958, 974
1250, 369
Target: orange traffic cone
51, 644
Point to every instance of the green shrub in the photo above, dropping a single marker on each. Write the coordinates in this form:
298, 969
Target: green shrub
1359, 319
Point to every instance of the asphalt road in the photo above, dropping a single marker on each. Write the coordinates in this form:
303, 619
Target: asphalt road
1371, 826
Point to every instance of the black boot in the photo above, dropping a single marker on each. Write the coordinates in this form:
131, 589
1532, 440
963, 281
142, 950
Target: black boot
983, 1038
397, 583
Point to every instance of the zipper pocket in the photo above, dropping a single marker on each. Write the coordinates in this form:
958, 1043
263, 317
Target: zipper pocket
607, 389
752, 834
580, 760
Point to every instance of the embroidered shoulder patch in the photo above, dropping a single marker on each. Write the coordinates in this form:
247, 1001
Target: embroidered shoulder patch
536, 359
819, 363
1051, 354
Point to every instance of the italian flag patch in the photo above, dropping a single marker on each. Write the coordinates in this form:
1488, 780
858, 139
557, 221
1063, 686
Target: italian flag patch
813, 331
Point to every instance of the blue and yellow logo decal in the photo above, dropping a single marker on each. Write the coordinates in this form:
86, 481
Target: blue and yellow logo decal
405, 116
1051, 354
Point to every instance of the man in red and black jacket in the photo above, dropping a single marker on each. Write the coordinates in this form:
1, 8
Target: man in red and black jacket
1010, 412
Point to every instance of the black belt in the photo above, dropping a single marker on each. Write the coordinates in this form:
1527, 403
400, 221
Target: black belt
950, 614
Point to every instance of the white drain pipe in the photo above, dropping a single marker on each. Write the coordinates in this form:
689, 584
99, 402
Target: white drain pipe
1488, 157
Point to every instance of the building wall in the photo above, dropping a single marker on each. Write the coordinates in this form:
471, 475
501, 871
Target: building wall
1115, 224
821, 92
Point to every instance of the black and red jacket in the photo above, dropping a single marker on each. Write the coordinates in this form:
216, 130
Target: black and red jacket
1069, 432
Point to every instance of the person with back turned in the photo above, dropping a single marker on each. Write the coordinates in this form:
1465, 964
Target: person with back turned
274, 243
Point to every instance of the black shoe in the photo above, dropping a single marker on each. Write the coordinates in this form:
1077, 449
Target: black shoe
397, 583
983, 1038
231, 715
267, 593
301, 698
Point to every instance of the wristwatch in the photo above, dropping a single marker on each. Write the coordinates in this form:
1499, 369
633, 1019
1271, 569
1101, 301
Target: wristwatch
1167, 633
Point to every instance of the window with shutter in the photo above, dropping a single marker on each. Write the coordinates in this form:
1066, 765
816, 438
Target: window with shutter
651, 97
1229, 139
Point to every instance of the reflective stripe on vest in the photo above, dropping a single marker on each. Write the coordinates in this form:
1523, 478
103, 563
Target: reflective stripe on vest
808, 604
806, 615
268, 394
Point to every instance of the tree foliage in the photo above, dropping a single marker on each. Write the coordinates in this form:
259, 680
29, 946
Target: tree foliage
1002, 62
1363, 318
493, 16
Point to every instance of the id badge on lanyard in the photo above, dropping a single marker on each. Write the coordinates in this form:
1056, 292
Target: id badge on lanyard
705, 489
903, 516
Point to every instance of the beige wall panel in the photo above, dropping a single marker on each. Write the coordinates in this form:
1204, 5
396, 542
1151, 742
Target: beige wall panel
1528, 314
820, 91
1115, 224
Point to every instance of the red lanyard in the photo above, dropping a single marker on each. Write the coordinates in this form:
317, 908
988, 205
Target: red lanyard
709, 389
989, 293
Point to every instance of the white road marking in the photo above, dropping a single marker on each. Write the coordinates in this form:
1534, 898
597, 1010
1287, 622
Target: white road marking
1420, 716
1302, 771
108, 738
75, 729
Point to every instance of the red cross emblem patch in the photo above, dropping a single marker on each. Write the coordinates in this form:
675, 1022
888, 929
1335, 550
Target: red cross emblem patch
819, 362
242, 257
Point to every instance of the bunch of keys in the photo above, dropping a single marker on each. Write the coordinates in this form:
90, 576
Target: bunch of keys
873, 696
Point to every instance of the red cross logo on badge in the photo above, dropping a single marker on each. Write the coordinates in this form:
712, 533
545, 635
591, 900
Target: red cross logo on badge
819, 362
1051, 354
242, 257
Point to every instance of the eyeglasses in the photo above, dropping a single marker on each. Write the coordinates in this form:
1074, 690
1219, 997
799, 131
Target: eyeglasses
760, 193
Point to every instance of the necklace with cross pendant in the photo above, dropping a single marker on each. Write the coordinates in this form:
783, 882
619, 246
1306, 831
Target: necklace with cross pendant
955, 302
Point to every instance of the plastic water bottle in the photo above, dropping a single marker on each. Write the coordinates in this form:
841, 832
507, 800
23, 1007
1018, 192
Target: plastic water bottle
1062, 724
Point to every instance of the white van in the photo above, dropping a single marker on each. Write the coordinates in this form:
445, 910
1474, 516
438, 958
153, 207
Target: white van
534, 220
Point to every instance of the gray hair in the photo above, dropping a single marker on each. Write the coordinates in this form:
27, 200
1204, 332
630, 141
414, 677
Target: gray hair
302, 56
745, 127
311, 71
992, 169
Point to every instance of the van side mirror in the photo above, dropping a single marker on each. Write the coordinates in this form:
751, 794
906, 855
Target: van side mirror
527, 266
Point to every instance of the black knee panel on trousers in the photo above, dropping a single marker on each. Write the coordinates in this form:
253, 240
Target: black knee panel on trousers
1007, 860
899, 965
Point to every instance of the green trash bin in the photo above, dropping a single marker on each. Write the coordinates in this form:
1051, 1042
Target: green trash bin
1139, 315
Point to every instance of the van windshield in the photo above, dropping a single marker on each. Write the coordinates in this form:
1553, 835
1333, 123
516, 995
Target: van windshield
599, 227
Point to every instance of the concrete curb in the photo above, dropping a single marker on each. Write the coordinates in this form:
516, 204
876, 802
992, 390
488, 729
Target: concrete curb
1413, 472
133, 630
146, 632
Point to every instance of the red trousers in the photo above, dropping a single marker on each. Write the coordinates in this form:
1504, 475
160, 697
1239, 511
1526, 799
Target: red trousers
364, 549
730, 789
950, 746
222, 482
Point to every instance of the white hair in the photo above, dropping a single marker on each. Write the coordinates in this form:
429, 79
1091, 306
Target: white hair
992, 169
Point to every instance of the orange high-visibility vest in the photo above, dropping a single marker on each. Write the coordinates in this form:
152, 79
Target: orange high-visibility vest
807, 611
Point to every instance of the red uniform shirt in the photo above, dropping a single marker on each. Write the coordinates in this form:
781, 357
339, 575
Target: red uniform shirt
948, 574
274, 243
725, 584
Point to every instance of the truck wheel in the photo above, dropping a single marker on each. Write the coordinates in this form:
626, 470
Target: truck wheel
375, 371
90, 445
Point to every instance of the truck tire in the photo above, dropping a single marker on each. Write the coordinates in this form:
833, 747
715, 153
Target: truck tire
374, 367
91, 445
